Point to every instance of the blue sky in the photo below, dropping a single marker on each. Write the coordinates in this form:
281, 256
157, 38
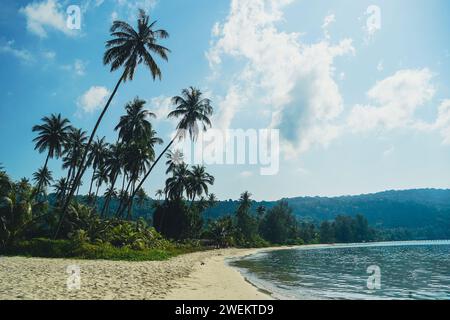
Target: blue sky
360, 108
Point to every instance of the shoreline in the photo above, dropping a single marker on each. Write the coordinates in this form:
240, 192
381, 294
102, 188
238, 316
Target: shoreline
202, 275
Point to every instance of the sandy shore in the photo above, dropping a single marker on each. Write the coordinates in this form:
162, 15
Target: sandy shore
200, 275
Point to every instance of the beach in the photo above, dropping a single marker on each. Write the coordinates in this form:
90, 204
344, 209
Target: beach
199, 275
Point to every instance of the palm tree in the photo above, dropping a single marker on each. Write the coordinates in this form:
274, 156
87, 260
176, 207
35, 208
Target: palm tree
60, 186
127, 49
178, 183
43, 177
109, 193
98, 154
51, 136
212, 200
134, 126
141, 197
159, 193
113, 165
198, 182
174, 158
260, 212
193, 110
74, 147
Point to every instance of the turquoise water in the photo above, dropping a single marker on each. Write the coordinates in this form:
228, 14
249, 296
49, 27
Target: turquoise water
407, 270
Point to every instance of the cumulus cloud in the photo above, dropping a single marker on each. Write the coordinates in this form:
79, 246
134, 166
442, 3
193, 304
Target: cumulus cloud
395, 101
93, 99
294, 78
329, 19
443, 121
45, 15
161, 106
21, 54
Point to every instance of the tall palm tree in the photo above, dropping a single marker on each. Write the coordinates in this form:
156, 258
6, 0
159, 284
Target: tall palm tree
110, 193
127, 49
194, 110
134, 125
178, 183
74, 147
98, 155
174, 158
113, 165
199, 180
43, 177
51, 136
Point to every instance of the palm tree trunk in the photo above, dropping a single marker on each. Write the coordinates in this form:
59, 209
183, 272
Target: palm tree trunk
106, 204
81, 168
153, 165
92, 181
45, 167
122, 204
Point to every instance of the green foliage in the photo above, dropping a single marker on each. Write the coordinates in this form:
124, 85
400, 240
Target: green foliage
279, 224
221, 231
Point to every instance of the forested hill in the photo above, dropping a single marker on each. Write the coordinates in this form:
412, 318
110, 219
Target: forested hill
416, 208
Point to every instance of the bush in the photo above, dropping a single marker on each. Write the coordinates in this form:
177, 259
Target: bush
47, 248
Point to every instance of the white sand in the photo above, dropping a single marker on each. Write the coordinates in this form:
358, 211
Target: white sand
199, 275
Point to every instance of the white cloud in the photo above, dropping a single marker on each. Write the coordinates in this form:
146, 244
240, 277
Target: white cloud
327, 22
388, 151
130, 8
294, 78
78, 67
161, 106
21, 54
93, 99
395, 101
45, 15
443, 121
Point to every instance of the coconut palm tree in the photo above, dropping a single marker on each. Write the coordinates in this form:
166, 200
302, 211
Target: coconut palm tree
212, 200
159, 193
178, 183
51, 136
60, 187
74, 147
199, 180
98, 154
134, 125
141, 198
110, 193
43, 177
127, 49
174, 158
194, 110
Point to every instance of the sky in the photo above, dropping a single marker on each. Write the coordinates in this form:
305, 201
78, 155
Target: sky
359, 90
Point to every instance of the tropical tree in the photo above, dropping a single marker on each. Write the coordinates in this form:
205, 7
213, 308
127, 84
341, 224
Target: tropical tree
134, 125
99, 152
60, 187
43, 177
193, 111
52, 134
199, 180
127, 49
159, 193
141, 198
174, 158
178, 183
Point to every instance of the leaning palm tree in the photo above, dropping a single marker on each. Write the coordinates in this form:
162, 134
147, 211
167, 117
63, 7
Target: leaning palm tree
199, 180
99, 152
127, 49
194, 110
51, 136
43, 177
